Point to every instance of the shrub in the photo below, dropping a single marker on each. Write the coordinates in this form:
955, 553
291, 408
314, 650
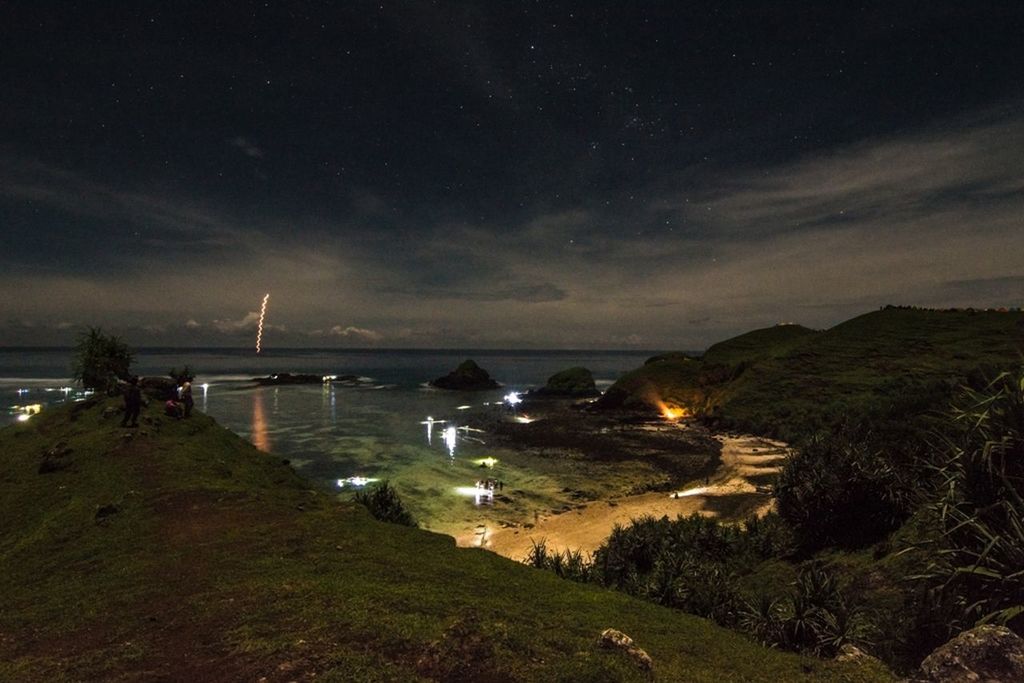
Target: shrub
384, 504
839, 490
568, 564
979, 561
100, 360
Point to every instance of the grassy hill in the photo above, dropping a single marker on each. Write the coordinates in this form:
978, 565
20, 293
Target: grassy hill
181, 552
786, 379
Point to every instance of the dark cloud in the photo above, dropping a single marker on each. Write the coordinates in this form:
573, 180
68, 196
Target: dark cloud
497, 175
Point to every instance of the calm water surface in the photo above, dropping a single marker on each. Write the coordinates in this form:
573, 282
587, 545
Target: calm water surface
332, 433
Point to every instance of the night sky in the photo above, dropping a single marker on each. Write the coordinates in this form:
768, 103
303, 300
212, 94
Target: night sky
503, 174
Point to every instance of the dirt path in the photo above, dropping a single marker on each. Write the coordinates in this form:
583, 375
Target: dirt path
732, 491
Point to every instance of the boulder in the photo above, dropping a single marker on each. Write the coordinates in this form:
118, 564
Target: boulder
467, 377
984, 654
617, 640
576, 381
852, 653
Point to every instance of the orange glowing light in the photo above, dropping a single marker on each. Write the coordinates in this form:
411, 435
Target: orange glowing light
670, 412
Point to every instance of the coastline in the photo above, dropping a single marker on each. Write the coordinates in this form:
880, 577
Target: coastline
733, 492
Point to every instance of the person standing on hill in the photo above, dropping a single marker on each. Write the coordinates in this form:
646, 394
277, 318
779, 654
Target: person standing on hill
186, 395
132, 403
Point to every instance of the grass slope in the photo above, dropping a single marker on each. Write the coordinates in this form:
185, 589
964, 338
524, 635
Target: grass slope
786, 379
184, 553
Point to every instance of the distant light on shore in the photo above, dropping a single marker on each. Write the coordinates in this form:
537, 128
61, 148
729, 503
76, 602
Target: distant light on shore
513, 399
689, 492
671, 412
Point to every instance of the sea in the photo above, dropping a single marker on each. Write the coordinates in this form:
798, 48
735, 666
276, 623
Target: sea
392, 426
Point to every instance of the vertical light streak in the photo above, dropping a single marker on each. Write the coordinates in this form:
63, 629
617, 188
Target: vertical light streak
263, 313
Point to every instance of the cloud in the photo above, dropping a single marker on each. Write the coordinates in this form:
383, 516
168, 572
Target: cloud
352, 332
247, 148
247, 323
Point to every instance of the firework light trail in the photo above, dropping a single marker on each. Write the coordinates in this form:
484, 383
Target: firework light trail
263, 313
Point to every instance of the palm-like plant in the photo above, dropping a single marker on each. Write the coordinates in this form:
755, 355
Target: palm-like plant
979, 561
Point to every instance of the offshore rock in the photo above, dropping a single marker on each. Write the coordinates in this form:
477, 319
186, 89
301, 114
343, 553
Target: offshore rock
576, 381
467, 377
985, 654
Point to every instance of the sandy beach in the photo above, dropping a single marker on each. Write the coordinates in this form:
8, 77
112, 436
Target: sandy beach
731, 492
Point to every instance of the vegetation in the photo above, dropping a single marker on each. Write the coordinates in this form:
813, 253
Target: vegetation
842, 489
384, 504
978, 564
100, 360
791, 382
893, 539
183, 552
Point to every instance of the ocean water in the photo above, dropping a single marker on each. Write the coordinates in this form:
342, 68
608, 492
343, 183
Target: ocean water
377, 431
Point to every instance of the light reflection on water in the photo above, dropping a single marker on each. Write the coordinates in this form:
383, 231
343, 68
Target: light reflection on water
259, 423
330, 432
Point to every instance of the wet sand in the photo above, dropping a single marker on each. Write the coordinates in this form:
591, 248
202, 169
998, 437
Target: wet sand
730, 493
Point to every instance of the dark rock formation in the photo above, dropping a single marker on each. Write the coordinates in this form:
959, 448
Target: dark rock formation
576, 381
985, 653
288, 378
160, 388
301, 378
467, 377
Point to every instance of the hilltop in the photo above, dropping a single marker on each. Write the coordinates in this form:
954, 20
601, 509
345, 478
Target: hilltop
788, 379
180, 551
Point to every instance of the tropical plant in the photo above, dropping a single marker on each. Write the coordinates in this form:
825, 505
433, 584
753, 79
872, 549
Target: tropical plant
762, 619
384, 504
840, 490
979, 560
100, 360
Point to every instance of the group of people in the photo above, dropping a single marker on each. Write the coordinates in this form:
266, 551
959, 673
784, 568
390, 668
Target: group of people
180, 405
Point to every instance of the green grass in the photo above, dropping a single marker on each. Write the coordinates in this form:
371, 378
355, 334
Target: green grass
787, 379
222, 564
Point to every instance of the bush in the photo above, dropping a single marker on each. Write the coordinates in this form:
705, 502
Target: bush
979, 562
568, 564
839, 490
384, 504
100, 361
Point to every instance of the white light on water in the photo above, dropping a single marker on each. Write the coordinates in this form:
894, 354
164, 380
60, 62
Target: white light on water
513, 399
450, 434
525, 419
24, 417
430, 422
463, 407
478, 493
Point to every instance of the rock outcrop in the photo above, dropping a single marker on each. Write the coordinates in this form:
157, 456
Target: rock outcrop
617, 640
985, 654
467, 377
576, 381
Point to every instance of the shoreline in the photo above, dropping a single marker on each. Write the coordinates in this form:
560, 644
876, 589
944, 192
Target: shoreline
734, 491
